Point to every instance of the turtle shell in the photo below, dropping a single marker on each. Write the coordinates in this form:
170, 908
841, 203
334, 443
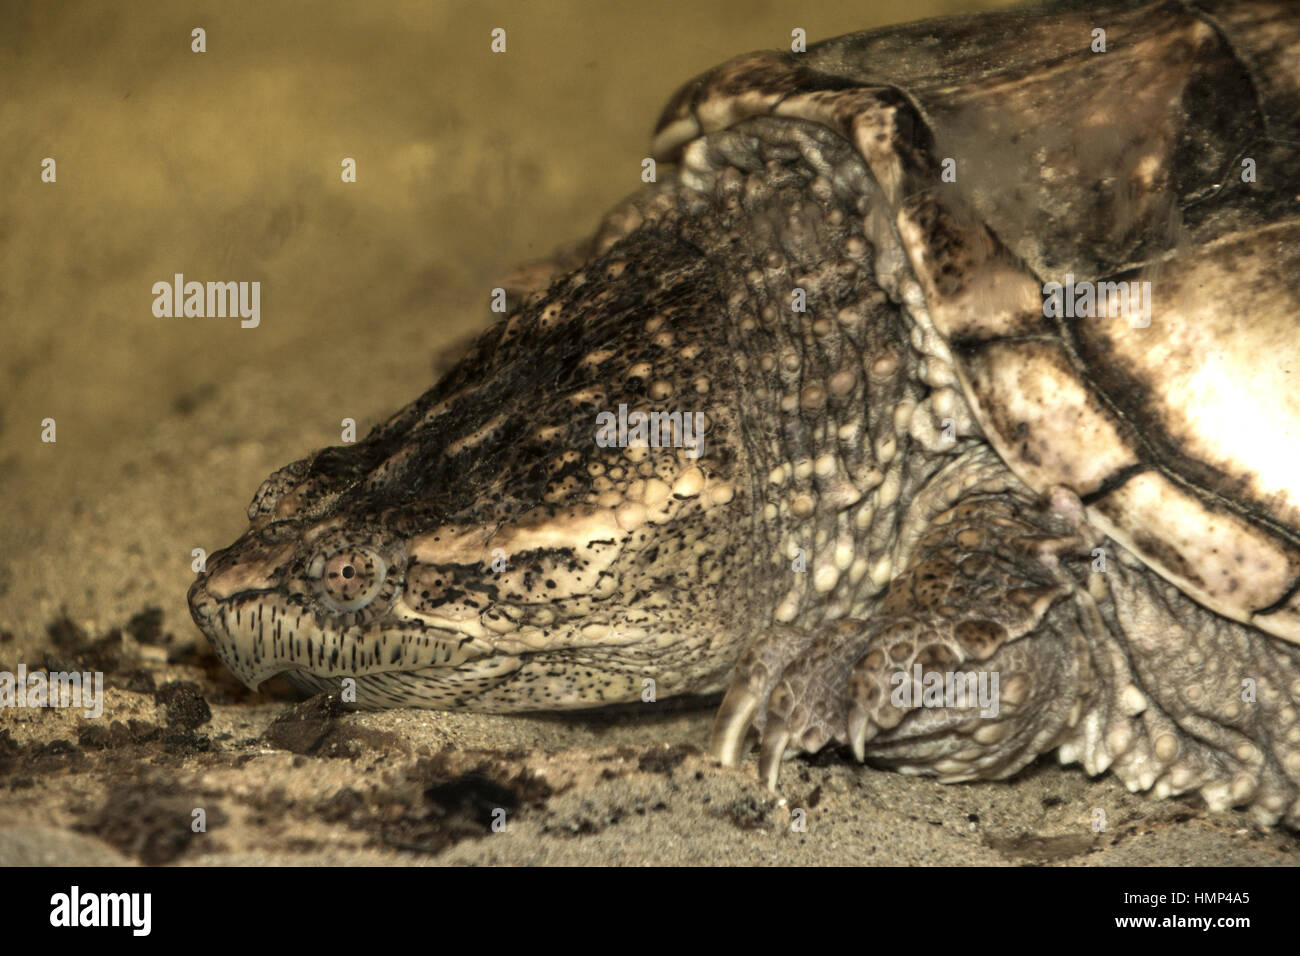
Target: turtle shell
1110, 269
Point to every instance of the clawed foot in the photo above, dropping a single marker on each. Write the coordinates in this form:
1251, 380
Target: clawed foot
923, 676
798, 691
773, 696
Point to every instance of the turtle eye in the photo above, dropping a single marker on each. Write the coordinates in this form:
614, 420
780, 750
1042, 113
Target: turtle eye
349, 579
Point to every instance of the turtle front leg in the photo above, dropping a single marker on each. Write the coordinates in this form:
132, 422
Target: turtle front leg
969, 670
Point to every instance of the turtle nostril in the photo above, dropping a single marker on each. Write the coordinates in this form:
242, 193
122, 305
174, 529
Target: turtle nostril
351, 578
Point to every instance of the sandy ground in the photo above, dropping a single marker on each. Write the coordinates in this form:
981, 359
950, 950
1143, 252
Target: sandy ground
225, 165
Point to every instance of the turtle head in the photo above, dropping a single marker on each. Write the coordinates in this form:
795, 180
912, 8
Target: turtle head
506, 541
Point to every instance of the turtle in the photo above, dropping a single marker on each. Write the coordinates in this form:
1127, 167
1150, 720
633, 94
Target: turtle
939, 402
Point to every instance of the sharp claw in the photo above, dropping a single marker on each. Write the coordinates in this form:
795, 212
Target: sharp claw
858, 724
775, 737
731, 725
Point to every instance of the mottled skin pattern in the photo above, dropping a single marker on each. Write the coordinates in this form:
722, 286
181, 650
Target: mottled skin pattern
851, 513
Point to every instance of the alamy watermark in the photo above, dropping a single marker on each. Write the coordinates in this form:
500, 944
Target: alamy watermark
199, 300
53, 689
923, 688
651, 430
1086, 300
75, 908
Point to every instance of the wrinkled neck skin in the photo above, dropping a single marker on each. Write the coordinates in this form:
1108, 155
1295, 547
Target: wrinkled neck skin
503, 544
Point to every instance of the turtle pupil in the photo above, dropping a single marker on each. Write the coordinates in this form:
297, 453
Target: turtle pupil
349, 571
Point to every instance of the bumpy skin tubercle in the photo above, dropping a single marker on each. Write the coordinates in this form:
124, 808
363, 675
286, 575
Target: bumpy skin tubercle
900, 503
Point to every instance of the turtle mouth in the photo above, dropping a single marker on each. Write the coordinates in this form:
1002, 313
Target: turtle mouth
259, 634
406, 662
433, 687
